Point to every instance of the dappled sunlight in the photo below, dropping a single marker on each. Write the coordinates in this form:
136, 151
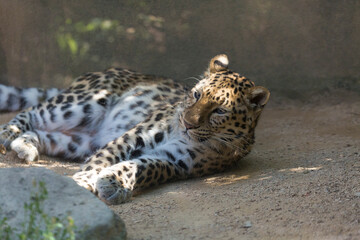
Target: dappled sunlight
14, 128
265, 178
64, 168
225, 180
301, 169
101, 94
175, 193
51, 165
3, 165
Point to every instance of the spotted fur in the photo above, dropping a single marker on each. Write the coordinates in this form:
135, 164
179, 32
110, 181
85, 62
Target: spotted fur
138, 130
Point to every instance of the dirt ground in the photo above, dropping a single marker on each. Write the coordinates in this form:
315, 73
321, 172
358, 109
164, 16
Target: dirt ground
302, 181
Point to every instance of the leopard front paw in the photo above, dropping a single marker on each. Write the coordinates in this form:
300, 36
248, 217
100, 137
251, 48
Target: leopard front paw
110, 189
25, 147
8, 132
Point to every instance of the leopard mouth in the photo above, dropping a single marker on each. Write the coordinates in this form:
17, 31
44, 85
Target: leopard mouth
185, 130
192, 132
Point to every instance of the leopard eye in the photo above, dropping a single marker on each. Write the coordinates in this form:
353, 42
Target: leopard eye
220, 111
197, 95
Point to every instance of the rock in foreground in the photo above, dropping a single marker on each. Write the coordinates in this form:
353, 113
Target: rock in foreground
64, 196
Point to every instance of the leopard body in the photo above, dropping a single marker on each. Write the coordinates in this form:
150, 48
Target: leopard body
135, 130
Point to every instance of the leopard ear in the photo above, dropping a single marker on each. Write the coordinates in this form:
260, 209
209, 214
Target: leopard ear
257, 97
218, 63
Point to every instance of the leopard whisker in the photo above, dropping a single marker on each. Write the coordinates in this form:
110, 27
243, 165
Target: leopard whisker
195, 78
220, 138
228, 143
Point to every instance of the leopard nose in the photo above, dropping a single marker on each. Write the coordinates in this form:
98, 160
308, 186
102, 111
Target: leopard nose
189, 126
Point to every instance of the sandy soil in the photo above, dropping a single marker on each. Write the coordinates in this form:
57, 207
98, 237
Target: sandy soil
302, 181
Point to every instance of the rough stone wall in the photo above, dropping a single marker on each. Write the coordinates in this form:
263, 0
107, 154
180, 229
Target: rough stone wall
289, 46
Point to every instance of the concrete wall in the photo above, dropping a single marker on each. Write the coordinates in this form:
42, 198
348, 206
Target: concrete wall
288, 46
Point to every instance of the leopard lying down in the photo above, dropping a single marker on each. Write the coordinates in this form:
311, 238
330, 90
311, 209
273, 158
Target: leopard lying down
137, 130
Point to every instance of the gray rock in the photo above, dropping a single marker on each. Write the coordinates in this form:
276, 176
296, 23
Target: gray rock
64, 196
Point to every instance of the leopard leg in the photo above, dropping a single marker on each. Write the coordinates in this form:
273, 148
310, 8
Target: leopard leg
70, 145
114, 185
52, 117
87, 180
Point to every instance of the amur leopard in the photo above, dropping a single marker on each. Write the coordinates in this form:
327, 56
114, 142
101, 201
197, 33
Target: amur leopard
135, 130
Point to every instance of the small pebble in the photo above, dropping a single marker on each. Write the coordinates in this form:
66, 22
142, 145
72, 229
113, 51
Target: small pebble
357, 194
247, 224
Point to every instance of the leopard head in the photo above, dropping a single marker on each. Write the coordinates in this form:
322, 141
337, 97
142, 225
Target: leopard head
223, 108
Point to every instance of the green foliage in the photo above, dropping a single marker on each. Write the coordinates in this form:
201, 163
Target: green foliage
37, 224
5, 230
81, 38
102, 41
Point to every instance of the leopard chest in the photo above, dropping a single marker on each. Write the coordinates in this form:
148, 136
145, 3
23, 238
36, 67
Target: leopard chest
126, 111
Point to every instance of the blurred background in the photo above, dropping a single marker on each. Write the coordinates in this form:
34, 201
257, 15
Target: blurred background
294, 48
